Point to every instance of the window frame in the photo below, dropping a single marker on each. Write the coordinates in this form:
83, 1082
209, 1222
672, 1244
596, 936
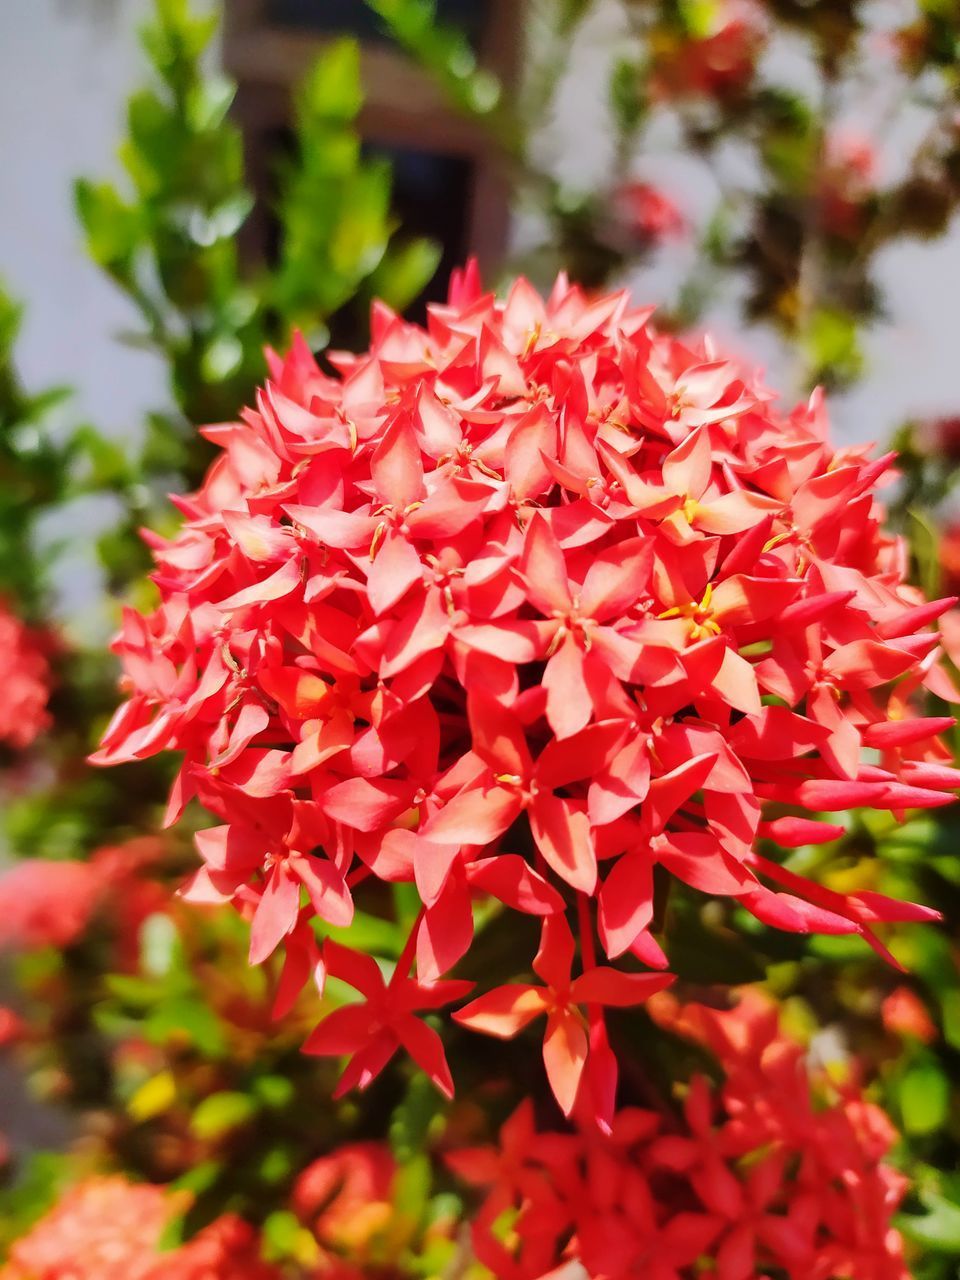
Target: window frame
403, 106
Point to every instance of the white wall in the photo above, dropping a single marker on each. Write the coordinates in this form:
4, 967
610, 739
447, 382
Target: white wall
66, 67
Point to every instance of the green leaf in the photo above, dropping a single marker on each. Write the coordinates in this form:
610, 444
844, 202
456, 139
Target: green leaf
833, 346
112, 228
938, 1229
924, 1098
286, 1239
200, 1178
222, 357
159, 945
368, 933
626, 95
411, 1189
925, 543
698, 17
405, 272
414, 1117
332, 90
153, 1098
274, 1091
186, 1018
221, 1113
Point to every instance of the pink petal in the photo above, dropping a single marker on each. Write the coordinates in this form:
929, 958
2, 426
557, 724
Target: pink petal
612, 987
544, 569
564, 1056
396, 567
562, 834
502, 1012
626, 903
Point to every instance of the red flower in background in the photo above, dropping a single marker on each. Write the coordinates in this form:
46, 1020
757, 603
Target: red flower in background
718, 63
26, 681
950, 558
106, 1228
847, 180
646, 213
941, 436
527, 603
102, 1229
772, 1171
228, 1249
346, 1197
46, 904
904, 1014
776, 1169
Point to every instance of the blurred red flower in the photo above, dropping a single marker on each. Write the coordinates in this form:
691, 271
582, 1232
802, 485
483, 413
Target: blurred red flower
717, 63
904, 1014
45, 903
107, 1228
26, 681
646, 213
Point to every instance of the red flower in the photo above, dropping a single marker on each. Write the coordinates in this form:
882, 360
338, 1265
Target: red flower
847, 181
719, 63
372, 1031
109, 1229
45, 903
526, 604
904, 1014
645, 213
228, 1249
774, 1171
941, 436
346, 1196
102, 1229
12, 1027
26, 682
505, 1011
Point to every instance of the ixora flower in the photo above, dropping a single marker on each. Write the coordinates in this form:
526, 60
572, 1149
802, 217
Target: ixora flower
645, 214
48, 903
526, 605
106, 1228
26, 682
772, 1172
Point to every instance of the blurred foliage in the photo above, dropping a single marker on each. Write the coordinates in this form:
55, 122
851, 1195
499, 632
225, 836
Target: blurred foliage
171, 241
34, 466
807, 192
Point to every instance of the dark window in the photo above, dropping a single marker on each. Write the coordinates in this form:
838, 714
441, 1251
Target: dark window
448, 182
353, 17
431, 195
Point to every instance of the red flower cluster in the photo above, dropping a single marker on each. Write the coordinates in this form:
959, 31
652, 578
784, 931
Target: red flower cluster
44, 903
904, 1014
526, 604
941, 436
645, 213
26, 682
847, 182
950, 557
770, 1172
109, 1229
719, 63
